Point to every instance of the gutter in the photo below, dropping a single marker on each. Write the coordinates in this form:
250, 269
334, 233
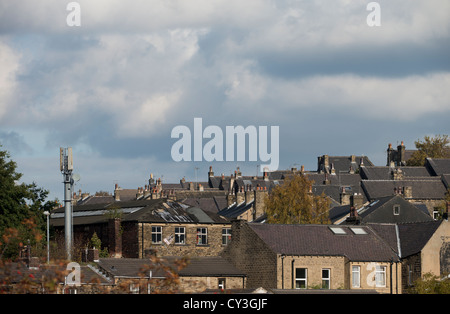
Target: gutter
398, 241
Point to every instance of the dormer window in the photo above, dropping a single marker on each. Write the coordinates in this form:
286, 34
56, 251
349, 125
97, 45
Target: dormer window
396, 209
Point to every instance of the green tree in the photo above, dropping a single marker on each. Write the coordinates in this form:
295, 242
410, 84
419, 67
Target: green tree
293, 203
430, 147
431, 284
21, 209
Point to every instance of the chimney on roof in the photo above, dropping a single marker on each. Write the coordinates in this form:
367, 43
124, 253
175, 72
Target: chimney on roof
351, 170
345, 197
210, 173
249, 194
230, 197
115, 237
151, 180
116, 192
302, 169
259, 207
333, 171
240, 195
401, 155
238, 173
326, 180
407, 192
356, 200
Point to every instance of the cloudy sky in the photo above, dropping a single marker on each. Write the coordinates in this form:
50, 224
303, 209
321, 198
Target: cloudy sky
115, 87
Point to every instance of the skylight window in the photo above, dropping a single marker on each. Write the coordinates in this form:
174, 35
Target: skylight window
358, 230
337, 230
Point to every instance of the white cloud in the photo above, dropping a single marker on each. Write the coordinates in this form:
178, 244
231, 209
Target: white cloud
9, 65
405, 98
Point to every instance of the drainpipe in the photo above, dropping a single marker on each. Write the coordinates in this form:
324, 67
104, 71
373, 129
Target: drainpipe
282, 270
390, 273
142, 236
292, 274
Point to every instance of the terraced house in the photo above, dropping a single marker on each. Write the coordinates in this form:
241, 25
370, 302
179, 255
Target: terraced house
362, 258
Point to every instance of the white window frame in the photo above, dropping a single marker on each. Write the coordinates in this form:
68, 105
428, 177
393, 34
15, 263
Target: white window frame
202, 232
380, 276
299, 280
356, 276
226, 236
134, 288
157, 232
222, 283
396, 210
180, 236
326, 279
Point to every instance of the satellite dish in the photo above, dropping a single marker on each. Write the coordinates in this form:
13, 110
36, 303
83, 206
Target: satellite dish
76, 177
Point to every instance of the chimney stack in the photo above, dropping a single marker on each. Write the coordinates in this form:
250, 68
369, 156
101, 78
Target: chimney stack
116, 192
356, 200
210, 173
115, 237
259, 203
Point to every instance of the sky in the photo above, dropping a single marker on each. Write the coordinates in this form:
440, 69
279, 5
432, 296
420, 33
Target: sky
114, 87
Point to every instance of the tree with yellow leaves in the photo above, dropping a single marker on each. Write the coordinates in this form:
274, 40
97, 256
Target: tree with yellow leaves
294, 203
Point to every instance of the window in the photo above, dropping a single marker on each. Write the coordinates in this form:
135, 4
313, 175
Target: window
156, 234
134, 288
326, 278
410, 275
396, 209
202, 236
226, 236
180, 235
380, 276
222, 283
301, 278
356, 276
337, 230
358, 230
436, 214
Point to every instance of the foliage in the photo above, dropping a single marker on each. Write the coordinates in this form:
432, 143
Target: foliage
442, 208
431, 284
21, 209
430, 147
293, 203
95, 242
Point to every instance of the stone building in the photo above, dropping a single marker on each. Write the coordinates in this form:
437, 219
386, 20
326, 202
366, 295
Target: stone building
313, 257
137, 228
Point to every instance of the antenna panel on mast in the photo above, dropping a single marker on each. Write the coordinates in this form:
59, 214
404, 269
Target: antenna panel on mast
69, 159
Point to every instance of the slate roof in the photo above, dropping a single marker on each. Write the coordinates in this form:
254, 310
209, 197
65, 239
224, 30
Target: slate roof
381, 211
213, 266
235, 210
384, 173
414, 236
211, 204
407, 238
421, 189
438, 166
343, 163
156, 210
319, 240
